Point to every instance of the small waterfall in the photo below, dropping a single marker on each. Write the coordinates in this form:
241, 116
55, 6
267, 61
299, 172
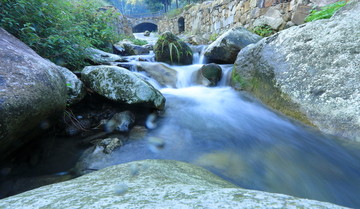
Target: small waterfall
186, 75
226, 72
202, 59
198, 54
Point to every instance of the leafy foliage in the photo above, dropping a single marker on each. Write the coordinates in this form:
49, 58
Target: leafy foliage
264, 30
59, 30
325, 12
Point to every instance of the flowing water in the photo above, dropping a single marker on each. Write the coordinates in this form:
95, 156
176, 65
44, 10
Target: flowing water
238, 138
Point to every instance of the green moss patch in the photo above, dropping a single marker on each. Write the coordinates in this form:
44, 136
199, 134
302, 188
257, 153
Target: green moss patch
263, 88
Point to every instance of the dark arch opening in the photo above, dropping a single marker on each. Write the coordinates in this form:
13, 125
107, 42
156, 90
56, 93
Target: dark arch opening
142, 27
181, 24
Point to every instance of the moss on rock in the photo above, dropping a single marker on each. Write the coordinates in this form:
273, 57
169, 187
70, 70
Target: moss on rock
170, 49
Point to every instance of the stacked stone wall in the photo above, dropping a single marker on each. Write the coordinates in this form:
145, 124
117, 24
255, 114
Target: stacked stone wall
217, 16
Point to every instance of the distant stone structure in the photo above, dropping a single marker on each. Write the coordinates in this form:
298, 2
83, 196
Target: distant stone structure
219, 15
142, 24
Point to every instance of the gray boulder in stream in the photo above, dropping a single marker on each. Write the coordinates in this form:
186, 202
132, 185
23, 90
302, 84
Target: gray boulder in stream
170, 49
310, 72
209, 75
163, 74
32, 93
119, 84
153, 184
225, 48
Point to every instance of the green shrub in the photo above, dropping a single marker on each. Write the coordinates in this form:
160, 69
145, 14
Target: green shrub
325, 12
59, 30
264, 30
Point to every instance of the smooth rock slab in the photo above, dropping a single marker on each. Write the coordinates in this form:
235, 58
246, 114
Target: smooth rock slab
153, 184
119, 84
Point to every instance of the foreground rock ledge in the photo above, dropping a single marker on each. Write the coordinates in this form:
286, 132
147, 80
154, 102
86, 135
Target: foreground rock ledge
153, 184
310, 72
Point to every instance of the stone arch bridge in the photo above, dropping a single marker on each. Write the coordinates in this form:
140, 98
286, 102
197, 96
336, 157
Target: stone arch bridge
140, 23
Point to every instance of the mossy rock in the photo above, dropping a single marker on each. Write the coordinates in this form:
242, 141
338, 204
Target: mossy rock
119, 84
170, 49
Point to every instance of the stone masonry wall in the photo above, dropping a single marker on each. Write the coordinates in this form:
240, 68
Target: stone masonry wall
217, 16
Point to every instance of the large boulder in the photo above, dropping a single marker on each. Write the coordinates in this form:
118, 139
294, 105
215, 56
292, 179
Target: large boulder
32, 91
153, 184
225, 48
126, 48
170, 49
75, 88
163, 74
209, 74
309, 72
119, 84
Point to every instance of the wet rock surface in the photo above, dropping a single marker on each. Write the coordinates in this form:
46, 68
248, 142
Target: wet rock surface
209, 75
310, 72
